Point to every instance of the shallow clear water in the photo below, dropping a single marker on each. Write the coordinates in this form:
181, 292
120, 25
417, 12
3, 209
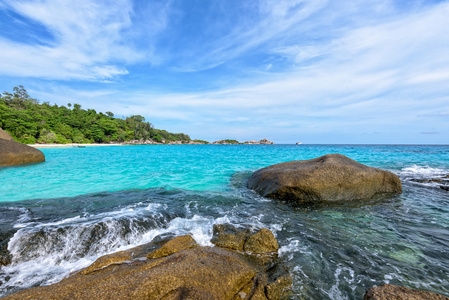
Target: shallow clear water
85, 202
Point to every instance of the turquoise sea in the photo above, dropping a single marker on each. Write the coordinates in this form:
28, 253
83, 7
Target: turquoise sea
59, 216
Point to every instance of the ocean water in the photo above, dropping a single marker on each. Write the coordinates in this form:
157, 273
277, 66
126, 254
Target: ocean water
59, 216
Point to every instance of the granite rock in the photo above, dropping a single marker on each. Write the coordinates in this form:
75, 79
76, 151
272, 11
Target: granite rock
6, 136
177, 268
14, 153
332, 177
393, 292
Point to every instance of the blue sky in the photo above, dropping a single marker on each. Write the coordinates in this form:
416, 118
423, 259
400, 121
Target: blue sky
315, 71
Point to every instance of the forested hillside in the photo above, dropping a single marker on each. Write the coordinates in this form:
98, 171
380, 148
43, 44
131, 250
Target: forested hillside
30, 121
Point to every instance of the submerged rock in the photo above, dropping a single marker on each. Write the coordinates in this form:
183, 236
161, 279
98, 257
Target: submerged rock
393, 292
14, 153
177, 268
332, 177
442, 183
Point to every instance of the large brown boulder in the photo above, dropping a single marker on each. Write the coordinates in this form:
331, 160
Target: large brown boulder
174, 269
332, 177
393, 292
14, 153
6, 136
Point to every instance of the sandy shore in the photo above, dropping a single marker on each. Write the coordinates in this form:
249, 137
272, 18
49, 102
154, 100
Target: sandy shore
70, 145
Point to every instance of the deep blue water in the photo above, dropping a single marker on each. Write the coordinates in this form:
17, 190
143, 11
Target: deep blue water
85, 202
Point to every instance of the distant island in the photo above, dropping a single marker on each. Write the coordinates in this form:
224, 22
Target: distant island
29, 121
252, 142
199, 142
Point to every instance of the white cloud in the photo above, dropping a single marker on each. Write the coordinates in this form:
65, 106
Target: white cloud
385, 75
297, 29
430, 76
379, 70
87, 40
271, 20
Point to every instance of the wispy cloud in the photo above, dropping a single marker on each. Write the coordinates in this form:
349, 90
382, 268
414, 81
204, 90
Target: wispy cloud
259, 22
386, 73
432, 131
87, 40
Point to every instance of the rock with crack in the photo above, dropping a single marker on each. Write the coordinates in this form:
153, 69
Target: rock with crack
175, 268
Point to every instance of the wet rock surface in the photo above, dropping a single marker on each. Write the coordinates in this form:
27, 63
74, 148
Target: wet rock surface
228, 236
231, 237
173, 246
14, 153
393, 292
5, 255
262, 241
176, 268
332, 177
442, 183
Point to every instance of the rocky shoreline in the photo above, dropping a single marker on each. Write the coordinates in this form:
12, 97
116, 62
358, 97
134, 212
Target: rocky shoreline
152, 142
6, 136
198, 142
252, 142
242, 265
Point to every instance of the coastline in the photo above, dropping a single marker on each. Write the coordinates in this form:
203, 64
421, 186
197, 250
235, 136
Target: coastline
150, 142
70, 145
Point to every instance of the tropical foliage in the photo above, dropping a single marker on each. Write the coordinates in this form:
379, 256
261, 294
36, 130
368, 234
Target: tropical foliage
30, 121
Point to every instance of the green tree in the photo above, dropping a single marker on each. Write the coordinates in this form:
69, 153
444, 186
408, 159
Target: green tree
97, 133
29, 121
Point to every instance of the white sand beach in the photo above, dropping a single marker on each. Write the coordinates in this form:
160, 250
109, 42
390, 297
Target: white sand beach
70, 145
